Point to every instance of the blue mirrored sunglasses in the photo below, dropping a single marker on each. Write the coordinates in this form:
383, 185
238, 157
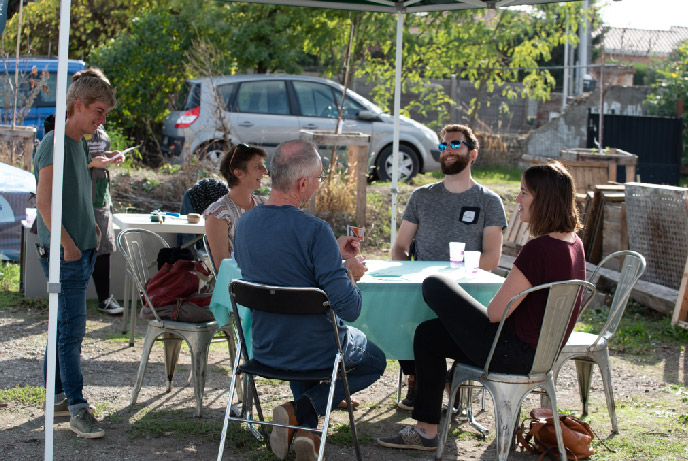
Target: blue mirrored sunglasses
453, 144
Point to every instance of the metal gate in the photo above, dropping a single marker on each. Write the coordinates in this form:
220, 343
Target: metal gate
655, 140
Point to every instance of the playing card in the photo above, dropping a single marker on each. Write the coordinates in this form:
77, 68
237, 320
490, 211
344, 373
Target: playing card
353, 231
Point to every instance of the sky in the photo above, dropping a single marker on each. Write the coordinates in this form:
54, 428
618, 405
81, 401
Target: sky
645, 14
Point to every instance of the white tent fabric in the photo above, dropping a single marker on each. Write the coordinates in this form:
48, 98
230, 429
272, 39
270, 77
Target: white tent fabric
14, 179
56, 221
400, 7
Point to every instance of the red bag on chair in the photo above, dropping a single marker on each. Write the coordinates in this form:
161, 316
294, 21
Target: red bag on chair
174, 282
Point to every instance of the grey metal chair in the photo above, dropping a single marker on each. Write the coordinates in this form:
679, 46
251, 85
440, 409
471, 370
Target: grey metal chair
509, 390
587, 349
139, 248
292, 301
210, 263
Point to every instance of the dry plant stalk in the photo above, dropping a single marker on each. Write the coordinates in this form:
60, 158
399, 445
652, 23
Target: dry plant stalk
337, 194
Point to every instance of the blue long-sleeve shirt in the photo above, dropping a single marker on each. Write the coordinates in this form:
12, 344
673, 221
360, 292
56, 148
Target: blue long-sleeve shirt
283, 246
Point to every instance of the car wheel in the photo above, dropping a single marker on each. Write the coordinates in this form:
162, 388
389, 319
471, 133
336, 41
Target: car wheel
408, 163
211, 154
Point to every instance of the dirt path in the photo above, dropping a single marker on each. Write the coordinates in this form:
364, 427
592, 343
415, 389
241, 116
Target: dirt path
161, 426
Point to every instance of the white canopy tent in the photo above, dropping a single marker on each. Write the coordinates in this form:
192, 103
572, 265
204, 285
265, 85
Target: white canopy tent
399, 7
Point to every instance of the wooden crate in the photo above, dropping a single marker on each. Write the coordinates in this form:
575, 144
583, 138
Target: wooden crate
589, 168
593, 234
614, 231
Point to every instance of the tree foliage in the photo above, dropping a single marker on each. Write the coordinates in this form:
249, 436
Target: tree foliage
93, 22
670, 87
143, 46
146, 64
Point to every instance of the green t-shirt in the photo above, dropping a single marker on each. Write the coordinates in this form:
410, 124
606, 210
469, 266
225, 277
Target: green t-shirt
77, 206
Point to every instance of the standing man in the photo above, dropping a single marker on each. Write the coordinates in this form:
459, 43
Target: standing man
88, 102
456, 209
278, 244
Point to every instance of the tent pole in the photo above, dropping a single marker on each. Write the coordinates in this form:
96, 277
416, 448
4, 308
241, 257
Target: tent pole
397, 110
56, 223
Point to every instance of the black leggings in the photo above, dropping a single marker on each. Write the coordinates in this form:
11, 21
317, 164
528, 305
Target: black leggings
464, 333
101, 276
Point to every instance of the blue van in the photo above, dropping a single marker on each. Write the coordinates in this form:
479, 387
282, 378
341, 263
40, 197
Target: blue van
36, 81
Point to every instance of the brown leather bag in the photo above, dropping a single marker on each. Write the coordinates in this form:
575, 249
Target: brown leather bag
576, 434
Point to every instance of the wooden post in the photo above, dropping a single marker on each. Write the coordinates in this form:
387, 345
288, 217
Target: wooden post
361, 155
680, 316
357, 149
19, 134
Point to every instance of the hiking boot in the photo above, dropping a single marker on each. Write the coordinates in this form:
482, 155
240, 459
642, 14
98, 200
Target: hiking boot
306, 445
110, 306
280, 437
409, 439
85, 425
410, 399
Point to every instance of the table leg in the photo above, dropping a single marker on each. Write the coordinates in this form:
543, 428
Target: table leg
132, 315
125, 315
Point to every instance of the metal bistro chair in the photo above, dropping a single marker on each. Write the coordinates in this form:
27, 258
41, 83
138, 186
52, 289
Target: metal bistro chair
209, 260
509, 390
586, 349
137, 245
283, 300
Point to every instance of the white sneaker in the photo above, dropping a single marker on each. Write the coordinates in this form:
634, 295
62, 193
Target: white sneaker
110, 306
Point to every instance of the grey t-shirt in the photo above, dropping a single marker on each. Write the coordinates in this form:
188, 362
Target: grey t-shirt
444, 217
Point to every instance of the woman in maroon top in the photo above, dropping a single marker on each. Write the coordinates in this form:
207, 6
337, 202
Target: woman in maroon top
465, 329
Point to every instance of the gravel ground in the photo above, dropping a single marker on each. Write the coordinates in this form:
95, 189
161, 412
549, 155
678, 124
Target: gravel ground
161, 425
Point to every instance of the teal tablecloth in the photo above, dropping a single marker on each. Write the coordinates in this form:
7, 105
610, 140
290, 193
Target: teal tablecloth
393, 303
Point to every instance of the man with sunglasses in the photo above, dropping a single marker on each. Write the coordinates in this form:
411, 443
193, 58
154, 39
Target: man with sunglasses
456, 209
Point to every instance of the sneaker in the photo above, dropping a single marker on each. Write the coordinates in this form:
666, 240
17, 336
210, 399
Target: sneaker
306, 445
280, 437
85, 425
409, 439
410, 399
110, 306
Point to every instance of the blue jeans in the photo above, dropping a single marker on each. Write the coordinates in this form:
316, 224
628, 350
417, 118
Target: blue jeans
71, 326
360, 375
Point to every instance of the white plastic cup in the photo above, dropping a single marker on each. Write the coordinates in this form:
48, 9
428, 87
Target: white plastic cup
471, 261
456, 253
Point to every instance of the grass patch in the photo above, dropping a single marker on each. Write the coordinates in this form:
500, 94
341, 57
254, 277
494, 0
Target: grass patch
119, 337
340, 434
27, 395
268, 382
180, 424
653, 431
639, 332
392, 365
9, 285
497, 175
175, 424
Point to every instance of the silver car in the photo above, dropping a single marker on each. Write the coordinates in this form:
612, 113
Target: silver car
264, 110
